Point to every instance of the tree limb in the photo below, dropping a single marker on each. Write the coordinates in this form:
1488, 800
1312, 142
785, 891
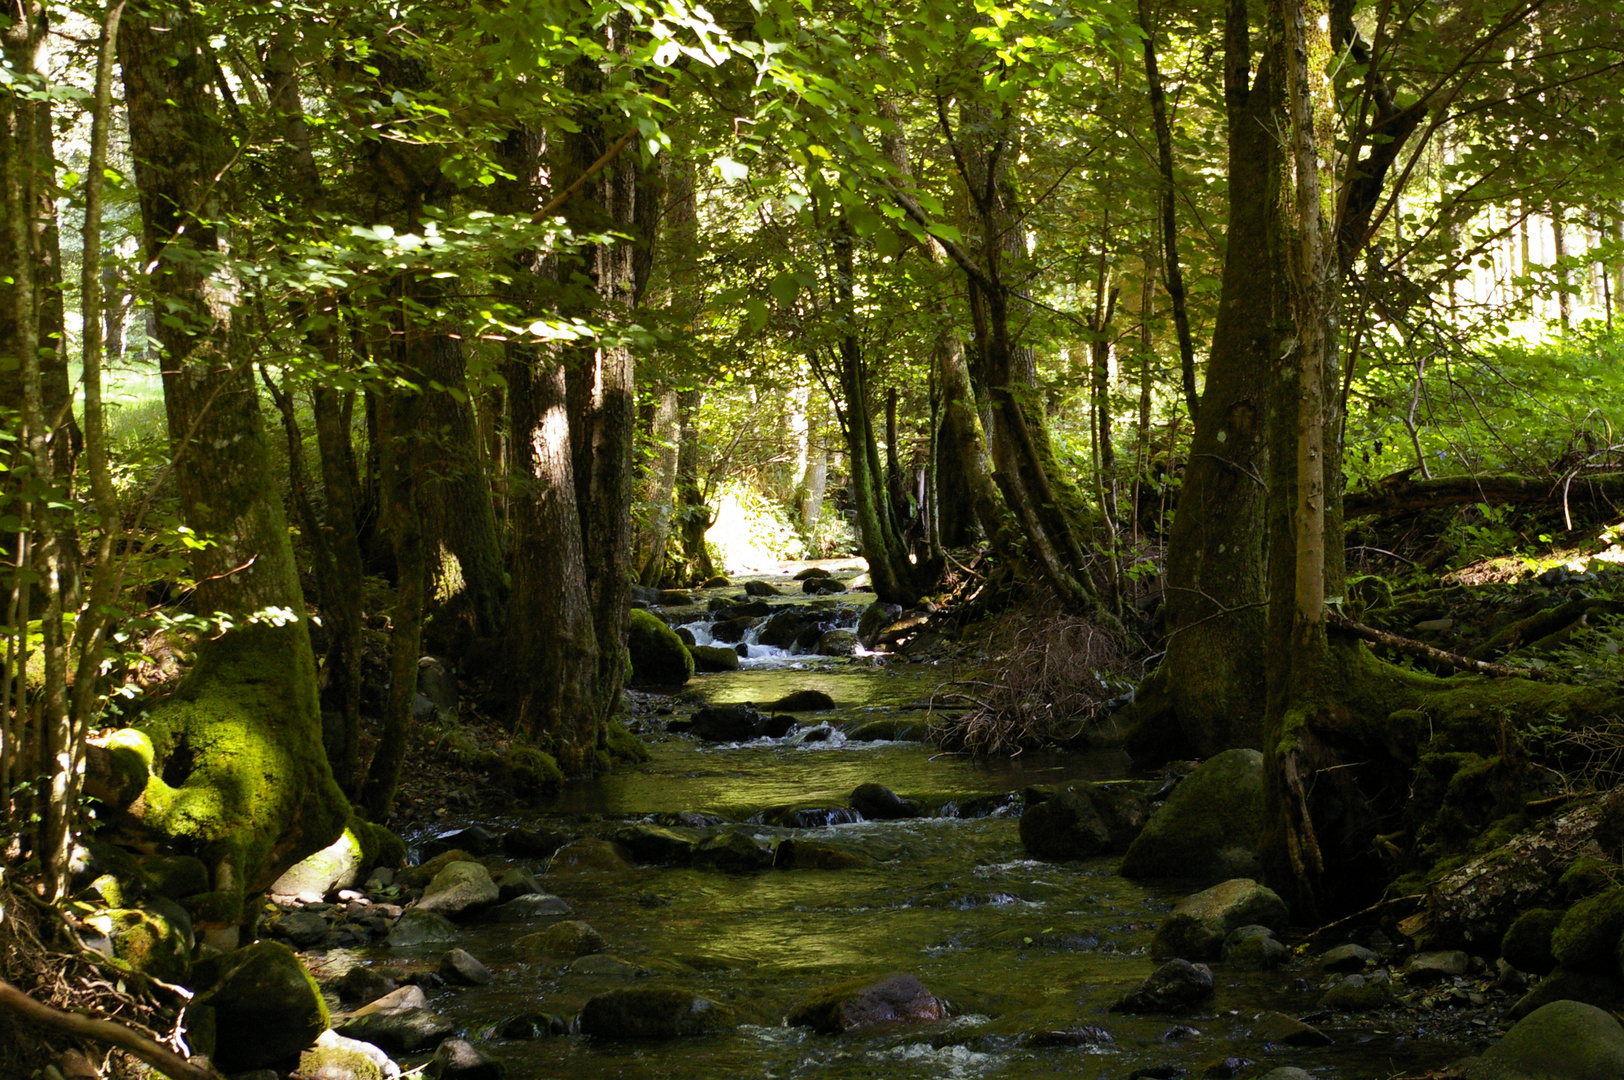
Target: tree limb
1391, 497
159, 1057
1409, 647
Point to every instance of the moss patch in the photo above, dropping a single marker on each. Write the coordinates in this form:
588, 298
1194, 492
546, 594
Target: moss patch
658, 656
1527, 944
624, 746
1587, 938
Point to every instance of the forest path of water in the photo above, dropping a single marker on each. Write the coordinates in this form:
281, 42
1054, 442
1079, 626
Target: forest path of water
1015, 946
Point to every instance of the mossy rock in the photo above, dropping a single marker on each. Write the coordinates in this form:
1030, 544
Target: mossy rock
1587, 938
175, 876
267, 1008
533, 775
415, 877
145, 942
1209, 828
658, 656
1349, 997
1565, 1040
623, 745
1527, 944
648, 1012
714, 658
568, 938
339, 1061
1586, 877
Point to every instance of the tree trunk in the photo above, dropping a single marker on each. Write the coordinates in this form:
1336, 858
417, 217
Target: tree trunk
693, 516
658, 484
240, 776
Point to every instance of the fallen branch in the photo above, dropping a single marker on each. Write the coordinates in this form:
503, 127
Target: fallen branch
1421, 650
159, 1057
1395, 496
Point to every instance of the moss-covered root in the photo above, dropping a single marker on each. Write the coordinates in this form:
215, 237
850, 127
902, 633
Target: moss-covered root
236, 769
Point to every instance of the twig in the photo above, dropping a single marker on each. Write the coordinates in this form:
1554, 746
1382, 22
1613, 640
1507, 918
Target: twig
580, 181
106, 1031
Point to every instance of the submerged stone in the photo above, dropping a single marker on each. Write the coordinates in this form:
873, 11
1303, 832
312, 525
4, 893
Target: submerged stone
878, 803
733, 852
653, 1013
1174, 987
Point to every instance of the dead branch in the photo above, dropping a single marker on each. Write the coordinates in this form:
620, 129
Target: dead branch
1421, 650
106, 1031
1395, 495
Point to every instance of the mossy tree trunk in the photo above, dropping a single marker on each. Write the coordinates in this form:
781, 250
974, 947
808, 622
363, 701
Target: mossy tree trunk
694, 516
657, 484
237, 770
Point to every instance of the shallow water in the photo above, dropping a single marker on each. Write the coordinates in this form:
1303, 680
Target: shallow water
1015, 946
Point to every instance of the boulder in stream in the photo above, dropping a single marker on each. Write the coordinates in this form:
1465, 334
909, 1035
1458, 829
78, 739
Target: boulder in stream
652, 844
266, 1007
785, 625
1565, 1040
813, 855
1082, 821
588, 855
811, 572
713, 658
568, 938
732, 631
898, 998
822, 586
726, 723
836, 643
1199, 924
1208, 828
418, 927
732, 852
659, 658
334, 1057
1174, 987
459, 1059
460, 968
461, 888
532, 907
876, 617
802, 701
878, 803
648, 1012
761, 588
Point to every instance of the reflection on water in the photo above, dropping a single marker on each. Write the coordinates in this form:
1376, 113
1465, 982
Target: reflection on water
1014, 945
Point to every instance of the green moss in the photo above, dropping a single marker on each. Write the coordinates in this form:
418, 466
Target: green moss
241, 776
1368, 997
1586, 877
379, 846
341, 1061
658, 656
214, 909
532, 774
623, 745
1527, 944
1587, 938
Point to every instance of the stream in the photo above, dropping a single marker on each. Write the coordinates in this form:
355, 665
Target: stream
1014, 946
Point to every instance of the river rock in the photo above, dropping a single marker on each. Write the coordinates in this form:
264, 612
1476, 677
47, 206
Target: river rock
1208, 829
802, 701
1254, 948
1527, 944
459, 968
588, 854
879, 803
461, 888
812, 855
365, 984
761, 588
898, 998
336, 866
1434, 966
458, 1059
1565, 1040
837, 643
652, 844
811, 572
416, 878
266, 1007
727, 723
733, 852
335, 1057
1602, 991
781, 630
1277, 1027
569, 938
719, 581
890, 729
300, 928
876, 617
1358, 994
1199, 924
732, 630
713, 658
653, 1013
605, 966
529, 908
1175, 986
659, 658
398, 1030
1587, 937
1083, 821
533, 843
515, 882
1347, 958
532, 1025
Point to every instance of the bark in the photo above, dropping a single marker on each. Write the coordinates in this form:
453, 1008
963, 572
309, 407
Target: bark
694, 518
242, 779
815, 479
658, 484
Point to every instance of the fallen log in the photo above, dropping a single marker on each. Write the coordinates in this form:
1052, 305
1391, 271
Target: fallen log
159, 1057
1422, 651
1473, 906
1392, 496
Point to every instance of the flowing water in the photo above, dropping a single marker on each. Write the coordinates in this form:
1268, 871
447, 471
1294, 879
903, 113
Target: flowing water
1015, 946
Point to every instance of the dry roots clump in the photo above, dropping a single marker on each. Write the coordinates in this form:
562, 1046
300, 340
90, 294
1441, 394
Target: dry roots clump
1049, 684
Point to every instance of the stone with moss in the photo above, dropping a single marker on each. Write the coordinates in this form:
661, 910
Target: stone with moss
714, 658
624, 747
1585, 877
1357, 994
1588, 935
658, 656
898, 998
1527, 944
267, 1008
462, 888
1565, 1040
533, 774
1198, 925
1208, 829
568, 938
415, 877
175, 876
145, 941
418, 927
653, 1013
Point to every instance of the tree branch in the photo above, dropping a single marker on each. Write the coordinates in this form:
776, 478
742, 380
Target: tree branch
172, 1064
1344, 625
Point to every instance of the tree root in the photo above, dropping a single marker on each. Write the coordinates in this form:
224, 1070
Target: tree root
106, 1031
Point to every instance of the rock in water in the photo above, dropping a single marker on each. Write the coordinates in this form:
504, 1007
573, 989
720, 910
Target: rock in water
569, 938
732, 852
802, 701
1565, 1040
1587, 938
881, 803
334, 1057
761, 588
267, 1008
899, 998
418, 927
876, 617
1173, 987
836, 643
659, 658
653, 1013
1277, 1027
714, 658
1254, 948
811, 572
460, 968
1198, 925
727, 723
461, 888
1083, 821
458, 1059
652, 844
1208, 829
400, 1023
